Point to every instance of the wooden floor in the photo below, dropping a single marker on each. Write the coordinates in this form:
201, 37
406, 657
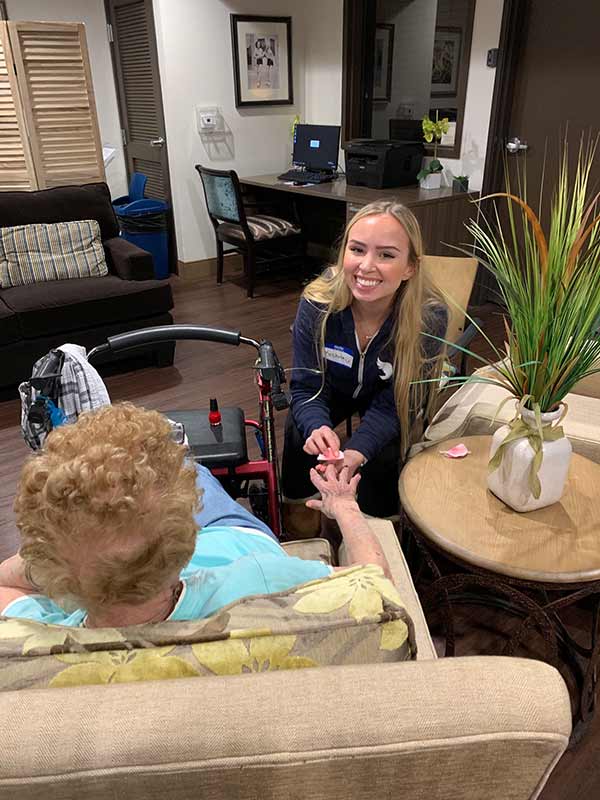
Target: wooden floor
204, 370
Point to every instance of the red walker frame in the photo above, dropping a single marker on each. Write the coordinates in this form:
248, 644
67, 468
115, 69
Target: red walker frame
270, 377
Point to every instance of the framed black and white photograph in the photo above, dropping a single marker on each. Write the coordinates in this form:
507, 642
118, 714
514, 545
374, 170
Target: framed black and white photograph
384, 54
262, 60
446, 61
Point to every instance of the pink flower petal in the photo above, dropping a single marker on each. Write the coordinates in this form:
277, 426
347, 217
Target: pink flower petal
458, 451
339, 457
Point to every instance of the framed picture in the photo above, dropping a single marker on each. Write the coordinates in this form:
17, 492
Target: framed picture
3, 11
384, 54
262, 60
446, 62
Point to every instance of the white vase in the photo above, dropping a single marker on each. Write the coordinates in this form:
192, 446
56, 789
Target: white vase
431, 181
510, 482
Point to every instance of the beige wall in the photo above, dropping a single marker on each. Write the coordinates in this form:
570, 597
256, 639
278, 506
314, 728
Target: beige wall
196, 70
414, 26
194, 43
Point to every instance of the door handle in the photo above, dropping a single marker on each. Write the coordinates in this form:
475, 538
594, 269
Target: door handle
157, 142
515, 144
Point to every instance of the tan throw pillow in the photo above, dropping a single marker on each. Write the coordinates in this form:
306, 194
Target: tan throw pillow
51, 252
354, 616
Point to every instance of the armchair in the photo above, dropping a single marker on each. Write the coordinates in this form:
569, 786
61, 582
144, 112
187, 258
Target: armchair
461, 728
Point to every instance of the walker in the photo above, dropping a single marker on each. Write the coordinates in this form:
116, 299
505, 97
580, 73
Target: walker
216, 437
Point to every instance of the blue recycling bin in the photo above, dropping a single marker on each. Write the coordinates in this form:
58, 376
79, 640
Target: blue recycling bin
136, 191
144, 223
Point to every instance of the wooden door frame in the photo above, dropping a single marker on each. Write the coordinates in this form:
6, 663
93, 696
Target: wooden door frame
510, 48
357, 71
120, 92
512, 38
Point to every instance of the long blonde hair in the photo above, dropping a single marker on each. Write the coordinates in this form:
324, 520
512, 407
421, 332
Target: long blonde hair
413, 306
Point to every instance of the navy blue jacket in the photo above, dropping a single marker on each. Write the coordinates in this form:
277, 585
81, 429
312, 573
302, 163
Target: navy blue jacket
363, 381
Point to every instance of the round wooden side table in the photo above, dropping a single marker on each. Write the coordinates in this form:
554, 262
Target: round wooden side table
535, 564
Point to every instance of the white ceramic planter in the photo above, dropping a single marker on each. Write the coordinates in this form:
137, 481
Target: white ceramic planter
510, 482
431, 181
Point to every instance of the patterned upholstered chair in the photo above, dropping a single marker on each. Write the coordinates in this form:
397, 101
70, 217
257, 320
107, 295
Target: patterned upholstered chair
255, 236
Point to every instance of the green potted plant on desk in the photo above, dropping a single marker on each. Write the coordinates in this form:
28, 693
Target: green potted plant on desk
460, 183
430, 176
550, 285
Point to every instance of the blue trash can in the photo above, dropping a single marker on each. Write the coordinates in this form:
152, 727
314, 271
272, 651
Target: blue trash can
144, 223
136, 191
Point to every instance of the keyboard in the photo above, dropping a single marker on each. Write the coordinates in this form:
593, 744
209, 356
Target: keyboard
304, 176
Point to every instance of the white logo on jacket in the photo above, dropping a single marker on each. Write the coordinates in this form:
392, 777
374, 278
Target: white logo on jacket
386, 370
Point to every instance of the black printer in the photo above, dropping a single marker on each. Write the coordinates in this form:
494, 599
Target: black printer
382, 163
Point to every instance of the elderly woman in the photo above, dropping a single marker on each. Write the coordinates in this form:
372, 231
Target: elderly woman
119, 528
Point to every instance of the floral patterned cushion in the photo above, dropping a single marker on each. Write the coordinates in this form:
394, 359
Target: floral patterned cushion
355, 616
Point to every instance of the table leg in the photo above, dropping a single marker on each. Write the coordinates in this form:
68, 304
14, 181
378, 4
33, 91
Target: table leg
449, 584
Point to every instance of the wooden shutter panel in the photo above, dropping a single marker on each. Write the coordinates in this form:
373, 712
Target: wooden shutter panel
16, 165
55, 85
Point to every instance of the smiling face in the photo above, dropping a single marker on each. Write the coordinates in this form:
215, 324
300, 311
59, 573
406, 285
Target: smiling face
377, 260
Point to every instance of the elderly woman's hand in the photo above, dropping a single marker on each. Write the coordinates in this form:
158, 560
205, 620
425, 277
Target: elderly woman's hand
14, 574
338, 491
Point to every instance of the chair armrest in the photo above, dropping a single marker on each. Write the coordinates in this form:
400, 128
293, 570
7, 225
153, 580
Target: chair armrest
128, 261
469, 727
401, 577
466, 337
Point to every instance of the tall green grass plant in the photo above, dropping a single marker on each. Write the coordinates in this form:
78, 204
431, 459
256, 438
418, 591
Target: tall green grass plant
549, 284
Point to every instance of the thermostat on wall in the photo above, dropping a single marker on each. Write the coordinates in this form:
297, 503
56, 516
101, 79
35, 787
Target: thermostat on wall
209, 120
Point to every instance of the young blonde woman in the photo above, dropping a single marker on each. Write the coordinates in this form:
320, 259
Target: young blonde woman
358, 347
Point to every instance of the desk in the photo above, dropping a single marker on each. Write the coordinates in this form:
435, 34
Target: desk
534, 564
325, 208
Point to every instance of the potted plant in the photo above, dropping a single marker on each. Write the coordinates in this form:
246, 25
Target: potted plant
460, 183
430, 176
550, 285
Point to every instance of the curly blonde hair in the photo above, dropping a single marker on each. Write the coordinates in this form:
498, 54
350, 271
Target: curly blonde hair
106, 509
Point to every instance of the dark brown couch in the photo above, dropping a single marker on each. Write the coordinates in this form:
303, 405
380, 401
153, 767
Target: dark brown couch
35, 318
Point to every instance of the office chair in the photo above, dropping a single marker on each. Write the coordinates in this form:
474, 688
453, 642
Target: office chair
250, 235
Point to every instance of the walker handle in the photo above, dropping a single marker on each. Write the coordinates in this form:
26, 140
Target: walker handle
170, 333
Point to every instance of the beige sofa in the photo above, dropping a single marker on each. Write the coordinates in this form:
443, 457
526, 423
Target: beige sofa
475, 727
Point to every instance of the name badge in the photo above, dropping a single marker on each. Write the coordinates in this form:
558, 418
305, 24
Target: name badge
339, 355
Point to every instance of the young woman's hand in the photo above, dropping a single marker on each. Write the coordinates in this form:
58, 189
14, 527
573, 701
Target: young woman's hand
320, 439
338, 491
353, 459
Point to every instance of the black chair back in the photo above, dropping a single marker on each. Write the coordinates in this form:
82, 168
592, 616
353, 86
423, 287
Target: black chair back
223, 195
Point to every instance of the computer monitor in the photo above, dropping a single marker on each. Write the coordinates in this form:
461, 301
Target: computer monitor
316, 147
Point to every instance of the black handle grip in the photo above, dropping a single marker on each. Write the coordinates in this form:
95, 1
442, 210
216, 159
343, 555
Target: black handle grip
268, 359
171, 333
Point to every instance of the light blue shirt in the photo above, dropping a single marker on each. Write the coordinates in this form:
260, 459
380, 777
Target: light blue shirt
228, 563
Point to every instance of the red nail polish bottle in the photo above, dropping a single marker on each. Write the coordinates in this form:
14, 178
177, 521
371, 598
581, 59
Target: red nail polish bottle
214, 415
